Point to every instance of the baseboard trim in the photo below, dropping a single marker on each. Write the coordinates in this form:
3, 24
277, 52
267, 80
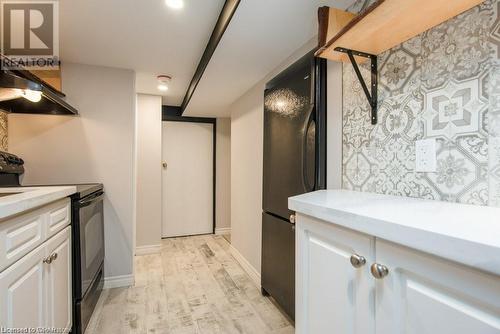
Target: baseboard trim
118, 281
222, 230
249, 269
145, 250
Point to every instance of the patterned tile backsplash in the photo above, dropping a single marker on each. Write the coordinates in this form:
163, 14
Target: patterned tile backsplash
3, 131
442, 84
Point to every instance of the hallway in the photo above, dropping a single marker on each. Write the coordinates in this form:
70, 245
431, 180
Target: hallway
193, 286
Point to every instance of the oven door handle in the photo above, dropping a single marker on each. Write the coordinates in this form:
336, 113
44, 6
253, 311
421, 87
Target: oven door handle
87, 201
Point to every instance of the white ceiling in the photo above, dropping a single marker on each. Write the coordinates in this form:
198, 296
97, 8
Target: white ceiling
261, 35
143, 35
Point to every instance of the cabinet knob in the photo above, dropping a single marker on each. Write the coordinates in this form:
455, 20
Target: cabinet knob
49, 259
357, 261
379, 271
292, 219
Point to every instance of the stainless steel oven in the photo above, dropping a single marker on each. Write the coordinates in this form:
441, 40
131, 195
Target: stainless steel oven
88, 252
91, 238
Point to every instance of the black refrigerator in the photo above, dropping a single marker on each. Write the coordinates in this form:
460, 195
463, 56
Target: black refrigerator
294, 163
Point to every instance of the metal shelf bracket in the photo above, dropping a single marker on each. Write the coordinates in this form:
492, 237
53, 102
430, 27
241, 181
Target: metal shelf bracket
372, 98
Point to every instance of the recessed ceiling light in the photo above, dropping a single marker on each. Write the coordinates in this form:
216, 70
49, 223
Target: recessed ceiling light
175, 4
163, 81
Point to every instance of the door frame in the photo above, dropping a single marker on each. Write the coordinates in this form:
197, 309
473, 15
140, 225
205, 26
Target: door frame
174, 114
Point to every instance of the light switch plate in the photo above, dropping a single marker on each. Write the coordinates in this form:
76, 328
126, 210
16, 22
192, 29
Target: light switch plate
425, 155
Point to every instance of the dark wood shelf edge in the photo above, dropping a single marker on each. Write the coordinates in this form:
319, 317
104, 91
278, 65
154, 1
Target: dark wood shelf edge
349, 26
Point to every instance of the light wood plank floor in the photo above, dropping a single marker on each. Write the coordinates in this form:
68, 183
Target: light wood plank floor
193, 286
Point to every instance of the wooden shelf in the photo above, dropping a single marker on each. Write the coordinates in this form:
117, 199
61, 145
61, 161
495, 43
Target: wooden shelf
385, 24
50, 77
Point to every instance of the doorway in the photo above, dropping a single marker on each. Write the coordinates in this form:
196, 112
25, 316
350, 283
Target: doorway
188, 176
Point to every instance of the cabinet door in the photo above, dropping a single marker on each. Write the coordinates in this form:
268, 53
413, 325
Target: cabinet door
22, 292
332, 296
427, 295
59, 297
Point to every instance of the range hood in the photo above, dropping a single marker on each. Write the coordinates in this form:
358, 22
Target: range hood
23, 92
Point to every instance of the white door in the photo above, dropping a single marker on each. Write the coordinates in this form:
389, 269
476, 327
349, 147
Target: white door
59, 281
22, 292
187, 187
333, 295
423, 294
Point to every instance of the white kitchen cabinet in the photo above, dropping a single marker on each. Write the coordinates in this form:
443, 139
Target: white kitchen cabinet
24, 232
332, 295
36, 290
419, 294
59, 289
424, 294
22, 292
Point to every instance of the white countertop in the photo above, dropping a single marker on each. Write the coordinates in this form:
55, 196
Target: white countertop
30, 197
467, 234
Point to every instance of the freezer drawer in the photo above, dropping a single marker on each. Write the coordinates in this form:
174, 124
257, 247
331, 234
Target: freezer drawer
278, 261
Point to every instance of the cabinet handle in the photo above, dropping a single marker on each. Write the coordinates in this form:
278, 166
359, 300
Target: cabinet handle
379, 271
49, 259
357, 261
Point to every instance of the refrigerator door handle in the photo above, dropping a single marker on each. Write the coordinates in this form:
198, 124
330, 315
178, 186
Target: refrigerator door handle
305, 167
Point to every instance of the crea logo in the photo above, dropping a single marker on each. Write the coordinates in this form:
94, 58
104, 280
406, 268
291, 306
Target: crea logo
29, 34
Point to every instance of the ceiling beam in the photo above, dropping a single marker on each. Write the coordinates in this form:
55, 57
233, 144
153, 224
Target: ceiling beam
225, 17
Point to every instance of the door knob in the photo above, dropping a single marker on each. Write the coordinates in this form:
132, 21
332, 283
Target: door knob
357, 261
379, 271
164, 164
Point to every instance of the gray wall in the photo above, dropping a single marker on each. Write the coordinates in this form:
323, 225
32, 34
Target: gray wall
97, 146
442, 84
246, 174
148, 171
223, 177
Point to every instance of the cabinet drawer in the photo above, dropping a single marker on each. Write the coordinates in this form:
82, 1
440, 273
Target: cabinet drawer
19, 236
58, 216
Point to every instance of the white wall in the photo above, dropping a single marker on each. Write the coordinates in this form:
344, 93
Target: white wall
246, 175
97, 146
247, 118
223, 175
148, 172
334, 125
